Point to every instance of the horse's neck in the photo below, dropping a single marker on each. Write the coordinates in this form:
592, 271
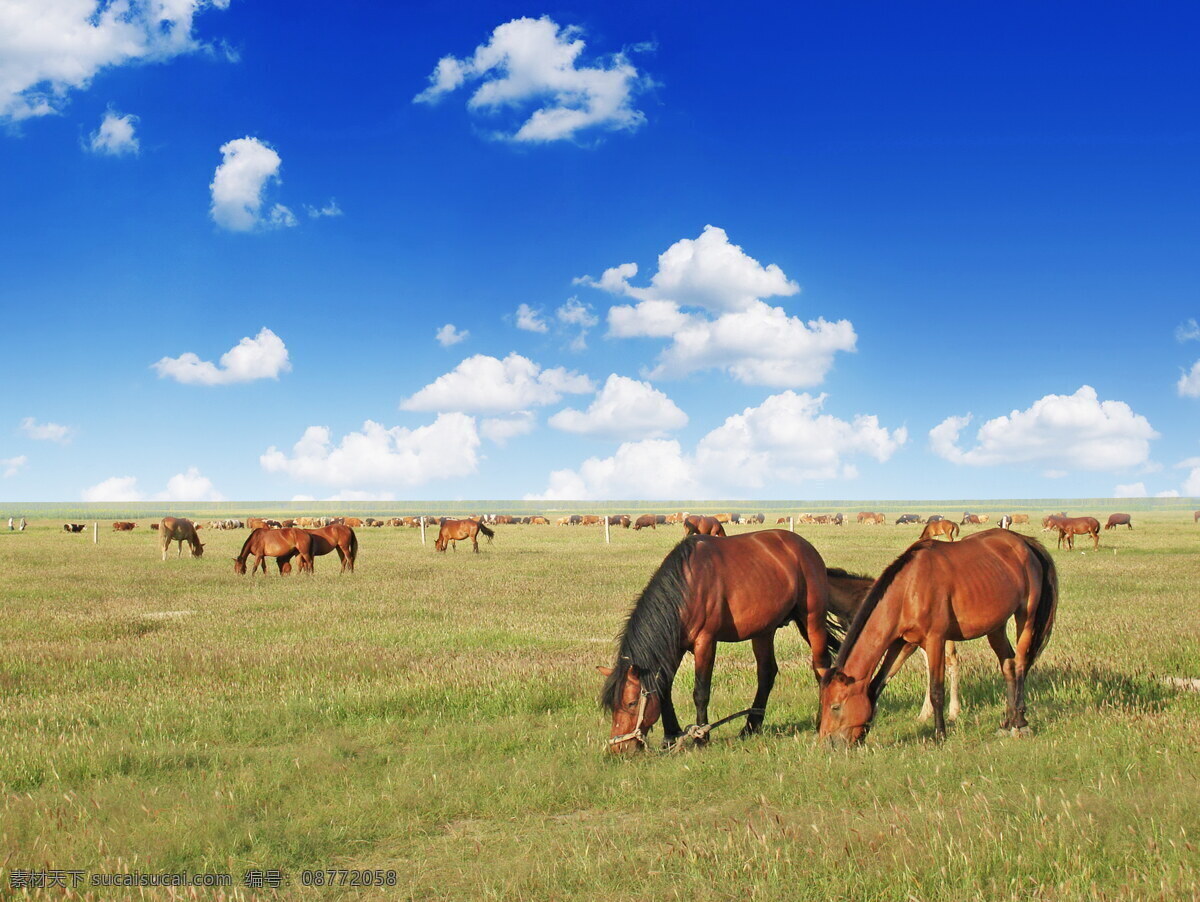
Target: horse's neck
862, 658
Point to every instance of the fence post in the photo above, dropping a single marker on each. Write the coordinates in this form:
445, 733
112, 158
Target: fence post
606, 539
95, 533
422, 530
791, 524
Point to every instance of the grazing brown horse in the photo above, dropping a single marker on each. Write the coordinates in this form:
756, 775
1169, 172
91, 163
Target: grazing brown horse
336, 537
172, 529
705, 592
1115, 520
947, 528
281, 544
937, 591
457, 530
1070, 527
705, 526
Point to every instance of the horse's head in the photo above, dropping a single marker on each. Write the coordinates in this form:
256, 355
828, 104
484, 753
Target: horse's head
239, 566
635, 709
846, 709
198, 549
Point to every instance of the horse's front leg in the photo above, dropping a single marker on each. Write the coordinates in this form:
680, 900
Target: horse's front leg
704, 652
670, 719
764, 657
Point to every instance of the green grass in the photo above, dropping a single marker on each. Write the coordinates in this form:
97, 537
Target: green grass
436, 715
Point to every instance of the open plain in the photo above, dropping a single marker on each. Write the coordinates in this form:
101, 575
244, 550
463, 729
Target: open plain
436, 715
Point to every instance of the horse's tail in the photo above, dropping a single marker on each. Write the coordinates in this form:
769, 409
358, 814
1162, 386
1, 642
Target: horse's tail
353, 548
1043, 614
487, 532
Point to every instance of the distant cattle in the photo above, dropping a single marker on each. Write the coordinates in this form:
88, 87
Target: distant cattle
74, 527
539, 521
1196, 516
590, 520
1020, 518
1116, 520
645, 521
781, 520
619, 520
124, 526
353, 522
974, 519
660, 519
908, 518
1006, 522
933, 518
256, 523
563, 521
154, 526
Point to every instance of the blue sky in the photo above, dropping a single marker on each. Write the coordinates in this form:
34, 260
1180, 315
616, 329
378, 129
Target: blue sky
787, 251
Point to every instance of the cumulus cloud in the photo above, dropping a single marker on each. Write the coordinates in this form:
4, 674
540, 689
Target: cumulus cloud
535, 63
379, 456
115, 135
189, 486
12, 465
449, 335
623, 408
47, 432
247, 168
1065, 432
785, 440
730, 326
530, 320
578, 316
483, 384
1188, 385
115, 488
49, 48
261, 357
500, 429
1131, 490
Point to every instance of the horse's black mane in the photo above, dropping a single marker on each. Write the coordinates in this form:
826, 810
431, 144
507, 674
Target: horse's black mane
873, 597
652, 636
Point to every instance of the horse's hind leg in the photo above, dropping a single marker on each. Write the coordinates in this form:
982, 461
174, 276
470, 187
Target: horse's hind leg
998, 639
768, 669
704, 652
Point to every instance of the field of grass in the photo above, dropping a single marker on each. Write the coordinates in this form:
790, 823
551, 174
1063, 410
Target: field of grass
436, 715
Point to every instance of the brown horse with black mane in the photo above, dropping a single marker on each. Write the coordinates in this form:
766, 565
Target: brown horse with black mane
281, 544
457, 530
705, 592
705, 526
172, 529
1070, 527
934, 592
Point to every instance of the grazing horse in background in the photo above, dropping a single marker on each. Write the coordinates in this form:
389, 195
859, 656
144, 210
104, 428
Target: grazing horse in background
281, 544
705, 592
947, 528
936, 592
336, 537
1070, 527
1116, 520
457, 530
705, 526
171, 529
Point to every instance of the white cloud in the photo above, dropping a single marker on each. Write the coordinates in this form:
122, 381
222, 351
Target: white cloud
115, 488
1191, 485
1188, 331
330, 209
624, 408
12, 465
500, 429
1168, 493
189, 486
1066, 432
449, 335
785, 440
379, 456
1188, 463
754, 342
261, 357
483, 384
576, 314
47, 432
1132, 490
49, 48
1189, 383
530, 320
115, 135
239, 182
534, 63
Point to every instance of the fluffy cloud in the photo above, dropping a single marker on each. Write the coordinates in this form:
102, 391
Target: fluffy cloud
449, 335
47, 432
330, 209
530, 320
50, 47
535, 63
248, 166
189, 486
754, 342
500, 429
12, 465
1131, 490
115, 135
1061, 431
377, 455
483, 384
261, 357
785, 440
576, 315
1189, 383
623, 408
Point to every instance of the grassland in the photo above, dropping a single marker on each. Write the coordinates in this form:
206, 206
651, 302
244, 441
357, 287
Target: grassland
436, 715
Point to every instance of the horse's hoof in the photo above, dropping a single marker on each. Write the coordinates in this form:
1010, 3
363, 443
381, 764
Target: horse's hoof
1021, 732
748, 731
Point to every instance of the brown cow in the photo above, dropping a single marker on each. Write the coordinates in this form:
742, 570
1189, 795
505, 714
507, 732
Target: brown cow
590, 520
353, 521
1116, 520
539, 521
645, 520
124, 526
1020, 518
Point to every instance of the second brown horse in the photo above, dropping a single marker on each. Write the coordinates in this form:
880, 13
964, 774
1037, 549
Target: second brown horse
705, 526
281, 544
458, 530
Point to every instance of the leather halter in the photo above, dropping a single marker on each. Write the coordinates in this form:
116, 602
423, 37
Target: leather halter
637, 732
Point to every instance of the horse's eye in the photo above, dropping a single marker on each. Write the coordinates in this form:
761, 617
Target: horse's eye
836, 708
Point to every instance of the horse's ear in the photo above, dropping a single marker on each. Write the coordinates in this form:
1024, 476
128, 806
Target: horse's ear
605, 671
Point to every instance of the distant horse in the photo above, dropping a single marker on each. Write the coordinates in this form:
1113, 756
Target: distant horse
339, 538
947, 528
1070, 527
705, 526
171, 529
705, 592
281, 544
457, 530
1116, 520
936, 592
